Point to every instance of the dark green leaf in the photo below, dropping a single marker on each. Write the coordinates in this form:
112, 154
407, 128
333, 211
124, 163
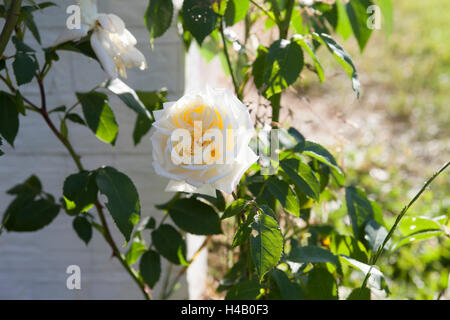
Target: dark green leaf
9, 118
129, 97
158, 17
24, 68
83, 228
309, 50
259, 65
150, 268
99, 116
283, 65
198, 18
359, 294
123, 199
244, 230
169, 243
75, 118
195, 217
81, 189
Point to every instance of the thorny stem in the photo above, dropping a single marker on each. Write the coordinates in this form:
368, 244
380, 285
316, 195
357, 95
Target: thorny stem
107, 234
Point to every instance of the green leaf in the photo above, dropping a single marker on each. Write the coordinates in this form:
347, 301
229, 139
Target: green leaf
266, 242
411, 225
375, 235
236, 11
316, 151
284, 193
259, 66
314, 254
169, 243
31, 25
150, 268
238, 206
302, 176
418, 236
9, 118
75, 118
32, 185
24, 68
83, 228
359, 210
99, 116
81, 189
342, 57
284, 62
123, 198
195, 217
289, 290
358, 16
158, 17
305, 45
343, 28
25, 214
245, 290
321, 285
198, 18
137, 248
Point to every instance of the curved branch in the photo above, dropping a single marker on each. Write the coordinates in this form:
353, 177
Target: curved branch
11, 22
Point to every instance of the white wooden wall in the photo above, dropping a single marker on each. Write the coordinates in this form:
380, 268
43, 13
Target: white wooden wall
33, 265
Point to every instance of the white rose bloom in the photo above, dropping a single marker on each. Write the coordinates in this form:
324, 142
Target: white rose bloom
112, 43
204, 164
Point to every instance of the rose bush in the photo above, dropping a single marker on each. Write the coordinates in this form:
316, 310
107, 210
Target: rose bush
282, 246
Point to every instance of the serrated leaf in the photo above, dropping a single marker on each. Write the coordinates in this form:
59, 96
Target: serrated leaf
81, 189
123, 198
195, 217
266, 243
198, 18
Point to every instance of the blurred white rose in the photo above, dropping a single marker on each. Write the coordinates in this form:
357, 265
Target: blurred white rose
112, 43
201, 141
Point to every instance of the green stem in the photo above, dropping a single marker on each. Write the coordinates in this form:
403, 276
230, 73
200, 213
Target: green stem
267, 13
397, 221
227, 56
10, 24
